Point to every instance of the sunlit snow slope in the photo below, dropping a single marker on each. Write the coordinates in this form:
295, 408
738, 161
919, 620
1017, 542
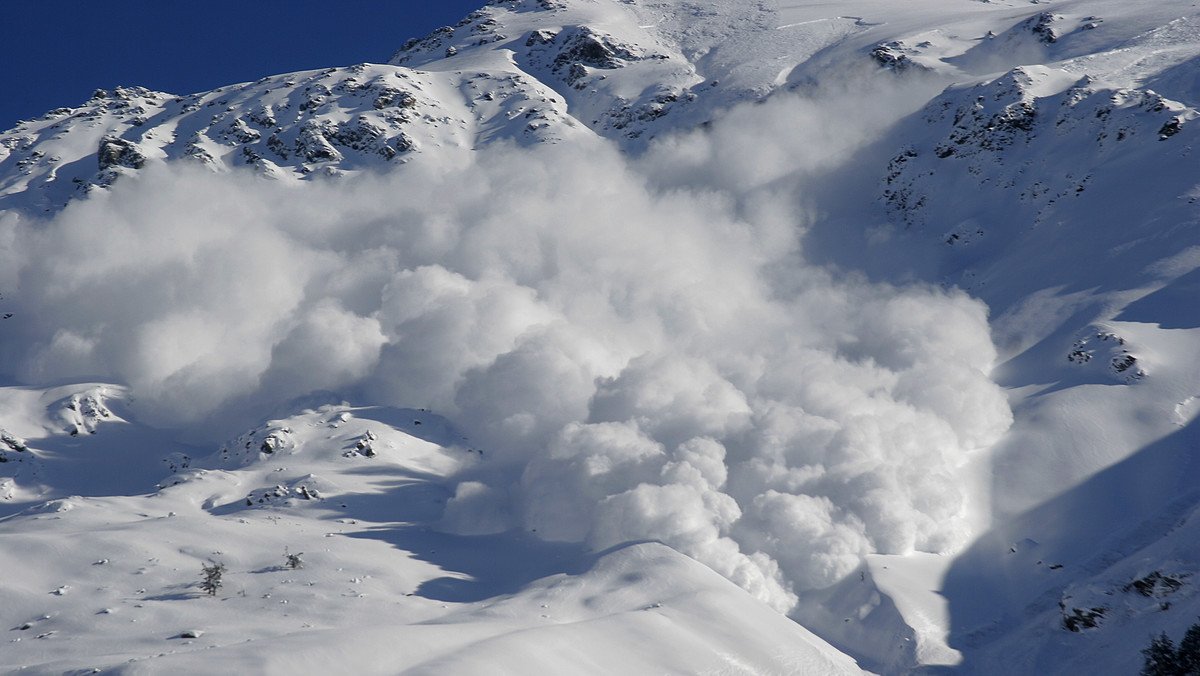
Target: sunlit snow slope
617, 336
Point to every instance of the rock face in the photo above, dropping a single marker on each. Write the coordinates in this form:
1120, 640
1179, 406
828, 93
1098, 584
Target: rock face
893, 56
117, 152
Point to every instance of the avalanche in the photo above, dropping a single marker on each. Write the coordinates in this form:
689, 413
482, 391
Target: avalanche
595, 337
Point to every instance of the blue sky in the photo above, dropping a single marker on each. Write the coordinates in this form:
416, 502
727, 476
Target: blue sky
55, 53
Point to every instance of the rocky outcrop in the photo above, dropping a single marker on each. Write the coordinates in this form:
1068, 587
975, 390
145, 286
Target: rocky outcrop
994, 132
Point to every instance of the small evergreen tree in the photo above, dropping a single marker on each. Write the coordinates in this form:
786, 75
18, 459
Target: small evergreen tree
293, 560
212, 577
1188, 653
1162, 658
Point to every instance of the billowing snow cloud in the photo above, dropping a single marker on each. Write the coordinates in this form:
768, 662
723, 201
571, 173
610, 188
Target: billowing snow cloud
639, 359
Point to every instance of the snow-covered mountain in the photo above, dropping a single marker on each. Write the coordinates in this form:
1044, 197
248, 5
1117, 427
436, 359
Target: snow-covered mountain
617, 336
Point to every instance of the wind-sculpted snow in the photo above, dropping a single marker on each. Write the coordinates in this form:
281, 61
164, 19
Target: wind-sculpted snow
635, 362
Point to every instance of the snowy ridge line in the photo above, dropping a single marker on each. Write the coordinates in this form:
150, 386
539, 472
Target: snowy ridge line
328, 122
523, 72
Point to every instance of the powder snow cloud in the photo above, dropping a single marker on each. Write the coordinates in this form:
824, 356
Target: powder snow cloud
638, 343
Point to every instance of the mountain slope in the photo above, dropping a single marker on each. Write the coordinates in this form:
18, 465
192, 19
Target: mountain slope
352, 493
882, 313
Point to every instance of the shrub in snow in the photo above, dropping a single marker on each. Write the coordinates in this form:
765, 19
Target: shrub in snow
293, 560
212, 578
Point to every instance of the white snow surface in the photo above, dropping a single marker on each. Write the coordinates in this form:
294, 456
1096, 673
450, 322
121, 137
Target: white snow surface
617, 336
111, 581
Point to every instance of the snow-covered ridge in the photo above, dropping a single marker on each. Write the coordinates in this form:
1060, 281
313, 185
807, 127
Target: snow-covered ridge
328, 122
519, 71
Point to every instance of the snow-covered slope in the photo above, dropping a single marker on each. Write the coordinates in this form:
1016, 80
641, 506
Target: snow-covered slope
882, 314
110, 581
332, 121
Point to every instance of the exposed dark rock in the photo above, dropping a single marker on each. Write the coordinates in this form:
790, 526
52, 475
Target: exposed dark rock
118, 152
1042, 26
1079, 619
1170, 128
890, 56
